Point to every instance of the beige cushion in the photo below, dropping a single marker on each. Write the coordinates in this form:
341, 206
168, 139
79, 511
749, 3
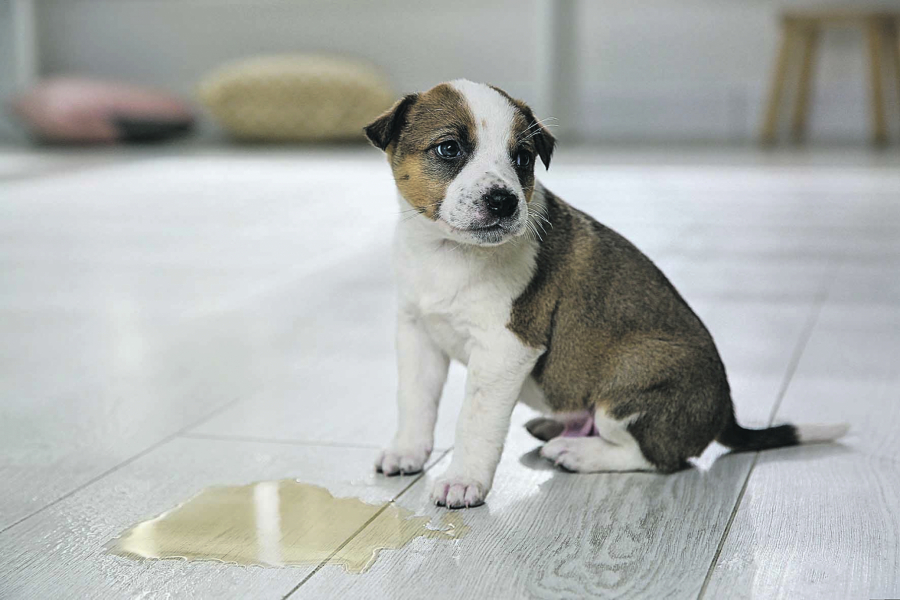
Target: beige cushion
296, 98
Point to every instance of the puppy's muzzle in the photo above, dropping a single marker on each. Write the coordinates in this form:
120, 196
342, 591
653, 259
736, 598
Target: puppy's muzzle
500, 202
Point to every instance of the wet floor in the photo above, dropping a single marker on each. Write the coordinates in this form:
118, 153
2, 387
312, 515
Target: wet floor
280, 523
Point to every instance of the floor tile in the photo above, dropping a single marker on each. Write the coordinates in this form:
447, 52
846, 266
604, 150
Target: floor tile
736, 279
867, 283
755, 338
127, 303
141, 292
815, 522
821, 521
859, 342
18, 163
799, 245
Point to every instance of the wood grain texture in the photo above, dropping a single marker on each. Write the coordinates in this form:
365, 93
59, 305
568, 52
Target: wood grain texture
548, 534
815, 523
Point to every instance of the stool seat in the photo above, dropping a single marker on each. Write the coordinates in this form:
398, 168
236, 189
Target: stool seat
840, 16
802, 27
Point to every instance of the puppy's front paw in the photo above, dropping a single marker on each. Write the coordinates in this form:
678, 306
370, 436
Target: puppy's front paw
458, 492
403, 459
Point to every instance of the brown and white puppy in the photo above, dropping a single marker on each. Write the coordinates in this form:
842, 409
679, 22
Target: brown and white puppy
542, 303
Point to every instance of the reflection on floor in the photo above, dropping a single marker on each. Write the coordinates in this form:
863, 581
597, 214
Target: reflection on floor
171, 322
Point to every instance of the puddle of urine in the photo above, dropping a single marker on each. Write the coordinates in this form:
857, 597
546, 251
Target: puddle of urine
279, 523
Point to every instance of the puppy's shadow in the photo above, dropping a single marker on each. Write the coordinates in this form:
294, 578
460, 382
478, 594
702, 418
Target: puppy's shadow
534, 461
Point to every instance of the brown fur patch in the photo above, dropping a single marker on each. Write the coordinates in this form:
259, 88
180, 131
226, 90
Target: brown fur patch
383, 131
618, 336
422, 177
521, 140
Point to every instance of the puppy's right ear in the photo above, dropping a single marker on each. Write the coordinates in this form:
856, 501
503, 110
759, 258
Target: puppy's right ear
386, 128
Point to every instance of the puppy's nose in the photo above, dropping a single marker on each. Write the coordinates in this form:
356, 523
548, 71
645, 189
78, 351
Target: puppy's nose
501, 202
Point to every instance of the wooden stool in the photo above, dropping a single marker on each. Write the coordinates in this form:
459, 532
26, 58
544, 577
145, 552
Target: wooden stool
803, 27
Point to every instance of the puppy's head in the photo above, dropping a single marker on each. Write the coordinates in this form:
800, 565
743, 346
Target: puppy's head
463, 156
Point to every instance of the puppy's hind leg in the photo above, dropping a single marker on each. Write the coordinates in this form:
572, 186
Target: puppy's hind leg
573, 424
544, 429
611, 448
594, 455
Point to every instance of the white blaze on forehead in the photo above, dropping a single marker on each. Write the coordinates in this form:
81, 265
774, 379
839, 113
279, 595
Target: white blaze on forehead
493, 117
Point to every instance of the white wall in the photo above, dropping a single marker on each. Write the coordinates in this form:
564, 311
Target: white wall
700, 69
174, 43
648, 70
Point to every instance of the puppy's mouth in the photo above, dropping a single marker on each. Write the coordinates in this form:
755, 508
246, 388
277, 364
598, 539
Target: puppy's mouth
491, 233
483, 229
496, 226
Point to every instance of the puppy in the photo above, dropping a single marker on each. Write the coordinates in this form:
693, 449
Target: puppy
542, 303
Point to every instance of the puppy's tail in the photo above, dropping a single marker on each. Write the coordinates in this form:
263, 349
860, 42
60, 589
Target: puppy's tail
750, 440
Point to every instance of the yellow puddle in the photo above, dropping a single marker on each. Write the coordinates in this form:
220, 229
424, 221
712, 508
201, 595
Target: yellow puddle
278, 523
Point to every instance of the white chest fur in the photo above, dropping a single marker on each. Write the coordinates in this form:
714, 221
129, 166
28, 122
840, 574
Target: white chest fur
461, 294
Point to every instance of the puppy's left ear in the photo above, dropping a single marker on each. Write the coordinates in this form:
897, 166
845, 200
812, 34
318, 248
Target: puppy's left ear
386, 128
544, 142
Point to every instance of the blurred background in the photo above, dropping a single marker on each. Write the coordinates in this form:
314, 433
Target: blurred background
612, 71
217, 307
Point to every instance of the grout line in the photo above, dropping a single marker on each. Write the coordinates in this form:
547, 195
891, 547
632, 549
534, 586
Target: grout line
120, 465
364, 525
800, 348
798, 353
248, 438
727, 530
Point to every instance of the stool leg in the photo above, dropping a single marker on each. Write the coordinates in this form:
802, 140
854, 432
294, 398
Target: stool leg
879, 125
809, 34
895, 53
776, 93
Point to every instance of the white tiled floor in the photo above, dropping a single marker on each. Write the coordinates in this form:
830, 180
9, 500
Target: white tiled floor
171, 320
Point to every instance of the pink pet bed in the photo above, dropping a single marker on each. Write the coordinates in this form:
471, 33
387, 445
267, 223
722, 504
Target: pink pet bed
85, 111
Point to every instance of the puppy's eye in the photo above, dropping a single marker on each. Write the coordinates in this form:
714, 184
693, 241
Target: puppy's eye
523, 159
449, 149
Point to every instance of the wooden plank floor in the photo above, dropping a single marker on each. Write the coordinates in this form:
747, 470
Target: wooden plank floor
175, 320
